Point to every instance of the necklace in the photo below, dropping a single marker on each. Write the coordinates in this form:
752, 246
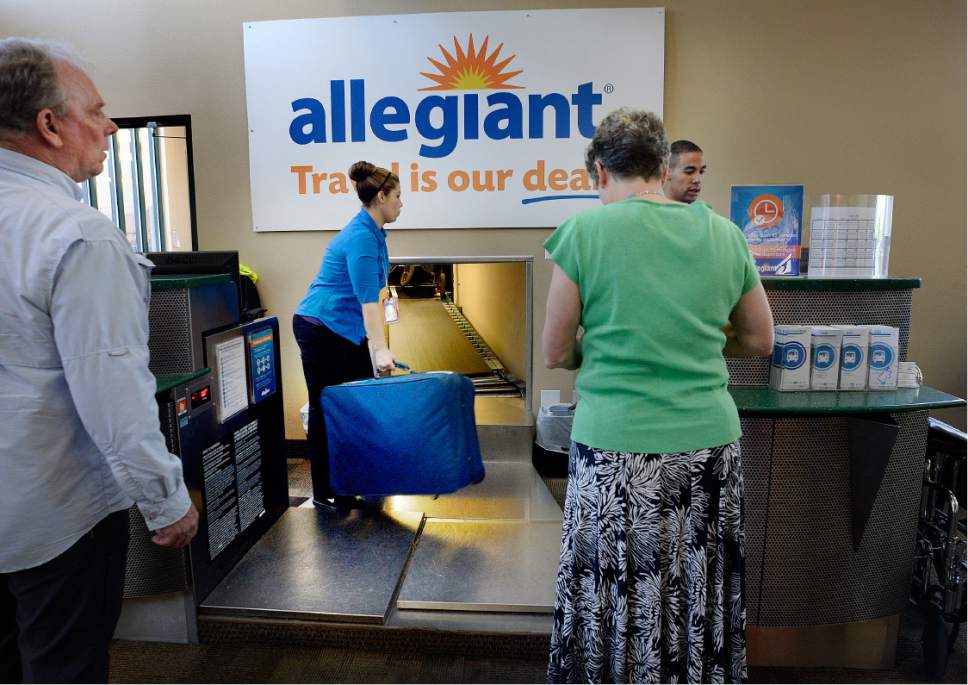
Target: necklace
640, 193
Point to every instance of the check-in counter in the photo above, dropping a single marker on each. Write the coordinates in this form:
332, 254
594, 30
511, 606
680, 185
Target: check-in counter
833, 484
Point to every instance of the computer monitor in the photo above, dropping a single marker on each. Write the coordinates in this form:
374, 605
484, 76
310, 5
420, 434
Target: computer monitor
196, 263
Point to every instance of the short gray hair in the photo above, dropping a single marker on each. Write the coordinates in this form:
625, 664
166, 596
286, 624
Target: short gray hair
29, 82
629, 143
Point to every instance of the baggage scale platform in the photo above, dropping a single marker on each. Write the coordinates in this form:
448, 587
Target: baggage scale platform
491, 547
315, 564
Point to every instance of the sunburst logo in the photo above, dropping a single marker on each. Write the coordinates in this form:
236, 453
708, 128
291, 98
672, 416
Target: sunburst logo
471, 69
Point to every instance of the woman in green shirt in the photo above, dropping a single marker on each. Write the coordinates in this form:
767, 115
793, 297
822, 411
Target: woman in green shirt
647, 296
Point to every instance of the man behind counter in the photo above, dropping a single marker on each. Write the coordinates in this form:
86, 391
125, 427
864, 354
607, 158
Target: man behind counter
79, 437
683, 179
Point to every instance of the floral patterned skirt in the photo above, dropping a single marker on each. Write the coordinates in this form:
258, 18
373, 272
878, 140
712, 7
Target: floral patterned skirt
650, 582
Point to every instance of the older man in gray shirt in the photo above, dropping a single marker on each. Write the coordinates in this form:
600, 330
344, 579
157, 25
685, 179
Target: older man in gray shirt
79, 435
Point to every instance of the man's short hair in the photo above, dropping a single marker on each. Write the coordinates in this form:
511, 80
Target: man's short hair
681, 147
29, 83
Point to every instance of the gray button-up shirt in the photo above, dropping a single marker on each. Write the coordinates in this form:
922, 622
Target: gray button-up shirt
79, 434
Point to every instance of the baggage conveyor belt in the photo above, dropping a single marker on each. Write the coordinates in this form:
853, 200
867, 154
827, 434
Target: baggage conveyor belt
433, 335
428, 339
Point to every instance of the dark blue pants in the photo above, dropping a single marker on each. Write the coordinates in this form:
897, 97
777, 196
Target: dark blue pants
57, 619
327, 359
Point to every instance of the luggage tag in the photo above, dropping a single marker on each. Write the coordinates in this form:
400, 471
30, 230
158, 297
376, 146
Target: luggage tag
391, 312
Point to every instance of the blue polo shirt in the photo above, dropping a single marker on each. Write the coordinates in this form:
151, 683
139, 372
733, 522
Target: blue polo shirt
353, 272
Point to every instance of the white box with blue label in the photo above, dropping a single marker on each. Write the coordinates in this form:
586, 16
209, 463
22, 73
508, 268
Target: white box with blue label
790, 365
882, 358
853, 357
825, 344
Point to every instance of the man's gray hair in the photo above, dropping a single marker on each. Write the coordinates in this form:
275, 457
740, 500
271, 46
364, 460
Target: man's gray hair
629, 143
29, 83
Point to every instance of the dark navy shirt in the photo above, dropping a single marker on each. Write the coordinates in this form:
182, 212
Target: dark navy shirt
353, 272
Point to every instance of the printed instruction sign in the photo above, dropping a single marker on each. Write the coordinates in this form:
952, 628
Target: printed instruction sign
230, 367
484, 116
771, 217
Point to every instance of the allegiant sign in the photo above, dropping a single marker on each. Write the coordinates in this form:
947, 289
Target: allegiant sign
440, 121
487, 136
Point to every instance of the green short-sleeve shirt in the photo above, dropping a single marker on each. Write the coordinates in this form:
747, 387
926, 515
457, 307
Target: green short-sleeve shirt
657, 283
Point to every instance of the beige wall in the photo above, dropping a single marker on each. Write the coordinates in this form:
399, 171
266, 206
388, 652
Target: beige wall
866, 96
174, 169
493, 298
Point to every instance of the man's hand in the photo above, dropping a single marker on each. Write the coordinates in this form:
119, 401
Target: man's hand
180, 533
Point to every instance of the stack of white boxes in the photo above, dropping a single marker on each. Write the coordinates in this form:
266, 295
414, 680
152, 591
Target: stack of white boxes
834, 357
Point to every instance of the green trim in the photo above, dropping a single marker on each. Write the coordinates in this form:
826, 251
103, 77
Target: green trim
754, 400
167, 381
839, 284
181, 281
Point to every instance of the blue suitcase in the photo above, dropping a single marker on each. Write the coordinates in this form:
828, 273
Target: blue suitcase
402, 435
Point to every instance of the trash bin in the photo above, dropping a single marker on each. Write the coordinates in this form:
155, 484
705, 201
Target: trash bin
553, 435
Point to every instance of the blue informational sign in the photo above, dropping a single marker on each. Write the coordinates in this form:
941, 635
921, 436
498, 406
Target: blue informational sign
771, 217
262, 377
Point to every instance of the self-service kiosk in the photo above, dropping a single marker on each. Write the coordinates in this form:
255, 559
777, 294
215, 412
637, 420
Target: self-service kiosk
221, 411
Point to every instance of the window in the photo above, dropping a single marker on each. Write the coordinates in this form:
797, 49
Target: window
147, 187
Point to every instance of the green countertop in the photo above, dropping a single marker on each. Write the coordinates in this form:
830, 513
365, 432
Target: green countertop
761, 399
187, 281
839, 284
167, 381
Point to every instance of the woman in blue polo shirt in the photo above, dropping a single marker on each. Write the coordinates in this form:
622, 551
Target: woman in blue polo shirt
339, 323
